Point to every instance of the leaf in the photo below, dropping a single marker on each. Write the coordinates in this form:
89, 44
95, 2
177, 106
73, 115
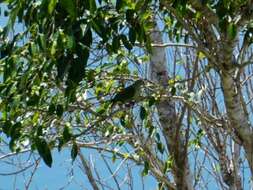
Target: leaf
146, 169
160, 147
132, 35
97, 25
75, 74
151, 101
33, 100
201, 55
59, 110
173, 90
126, 43
74, 151
130, 15
42, 41
223, 23
168, 165
115, 44
66, 134
70, 42
53, 48
6, 127
51, 109
15, 131
232, 30
122, 121
119, 4
69, 6
62, 65
60, 144
35, 118
114, 157
87, 37
44, 151
151, 130
12, 17
39, 130
51, 6
93, 6
143, 113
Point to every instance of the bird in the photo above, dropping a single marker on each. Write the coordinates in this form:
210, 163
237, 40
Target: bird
128, 94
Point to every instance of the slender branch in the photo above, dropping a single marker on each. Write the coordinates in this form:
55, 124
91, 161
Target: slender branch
14, 153
88, 170
18, 171
32, 174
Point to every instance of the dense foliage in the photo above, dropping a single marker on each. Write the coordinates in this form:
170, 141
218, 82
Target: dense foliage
75, 71
54, 59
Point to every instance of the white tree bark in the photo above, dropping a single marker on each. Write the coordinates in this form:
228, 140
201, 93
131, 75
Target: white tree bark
237, 117
167, 116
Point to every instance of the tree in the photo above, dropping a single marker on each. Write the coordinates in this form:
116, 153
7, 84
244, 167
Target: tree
192, 116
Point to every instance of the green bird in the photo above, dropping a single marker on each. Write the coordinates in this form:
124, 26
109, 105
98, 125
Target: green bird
128, 94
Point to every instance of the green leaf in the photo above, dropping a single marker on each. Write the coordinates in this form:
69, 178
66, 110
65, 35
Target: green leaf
168, 165
126, 43
51, 109
151, 130
15, 131
223, 23
114, 157
119, 4
115, 44
74, 151
6, 127
39, 130
97, 25
143, 113
146, 169
201, 55
122, 121
66, 134
42, 41
51, 6
232, 30
93, 6
151, 101
160, 147
87, 38
44, 151
59, 110
132, 35
173, 90
12, 17
60, 144
69, 6
33, 100
130, 15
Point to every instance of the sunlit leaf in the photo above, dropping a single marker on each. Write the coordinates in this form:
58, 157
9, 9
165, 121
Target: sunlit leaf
51, 6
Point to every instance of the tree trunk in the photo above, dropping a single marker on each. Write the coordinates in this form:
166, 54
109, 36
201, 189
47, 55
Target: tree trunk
238, 119
167, 117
